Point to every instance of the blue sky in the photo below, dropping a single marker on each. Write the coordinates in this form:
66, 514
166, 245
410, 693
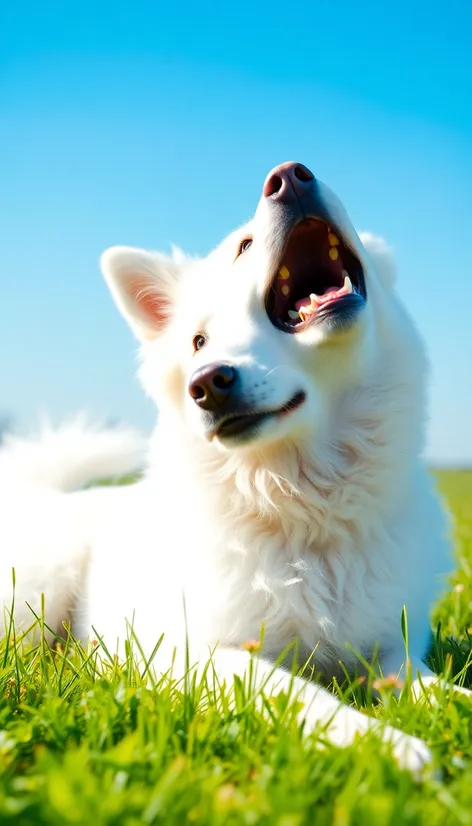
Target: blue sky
147, 124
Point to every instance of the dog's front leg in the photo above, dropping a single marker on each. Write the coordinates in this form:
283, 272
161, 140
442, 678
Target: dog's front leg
319, 707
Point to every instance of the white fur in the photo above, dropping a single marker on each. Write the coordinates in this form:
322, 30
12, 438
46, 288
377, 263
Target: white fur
320, 529
71, 456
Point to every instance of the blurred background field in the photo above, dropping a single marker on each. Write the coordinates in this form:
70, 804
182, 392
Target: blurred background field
455, 610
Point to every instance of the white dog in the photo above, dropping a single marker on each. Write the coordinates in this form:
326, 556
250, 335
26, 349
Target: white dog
284, 489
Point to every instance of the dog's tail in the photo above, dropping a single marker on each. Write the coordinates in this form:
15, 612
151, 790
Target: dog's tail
70, 456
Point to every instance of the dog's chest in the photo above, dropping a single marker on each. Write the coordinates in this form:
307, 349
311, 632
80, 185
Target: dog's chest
297, 595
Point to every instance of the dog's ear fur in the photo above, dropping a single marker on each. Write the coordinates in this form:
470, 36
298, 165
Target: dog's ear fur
143, 285
381, 256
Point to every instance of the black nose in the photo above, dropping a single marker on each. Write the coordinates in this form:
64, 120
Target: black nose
211, 385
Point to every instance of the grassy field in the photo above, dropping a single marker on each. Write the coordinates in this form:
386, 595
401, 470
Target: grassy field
86, 740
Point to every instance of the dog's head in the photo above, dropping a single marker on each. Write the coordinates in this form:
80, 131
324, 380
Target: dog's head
255, 342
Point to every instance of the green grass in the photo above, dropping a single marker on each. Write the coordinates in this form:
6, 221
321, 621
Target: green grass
86, 740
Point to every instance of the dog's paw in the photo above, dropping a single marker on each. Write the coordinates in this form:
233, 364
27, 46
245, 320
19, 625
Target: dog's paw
410, 752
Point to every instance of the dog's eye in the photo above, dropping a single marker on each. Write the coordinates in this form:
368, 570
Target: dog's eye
244, 245
199, 342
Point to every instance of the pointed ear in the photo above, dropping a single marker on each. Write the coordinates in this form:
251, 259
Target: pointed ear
143, 285
381, 256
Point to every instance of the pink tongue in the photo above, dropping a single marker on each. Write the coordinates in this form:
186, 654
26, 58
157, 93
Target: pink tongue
306, 302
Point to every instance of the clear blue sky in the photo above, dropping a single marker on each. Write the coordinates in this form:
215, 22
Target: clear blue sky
151, 123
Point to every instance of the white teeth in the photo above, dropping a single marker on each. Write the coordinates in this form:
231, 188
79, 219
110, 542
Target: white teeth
347, 286
293, 314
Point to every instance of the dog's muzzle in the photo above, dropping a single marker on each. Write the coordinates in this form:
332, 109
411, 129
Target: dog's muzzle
215, 389
318, 278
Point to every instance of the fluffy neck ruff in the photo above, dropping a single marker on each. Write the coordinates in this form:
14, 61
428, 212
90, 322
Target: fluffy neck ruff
311, 494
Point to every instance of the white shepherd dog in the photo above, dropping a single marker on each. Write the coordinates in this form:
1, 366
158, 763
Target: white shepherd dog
284, 487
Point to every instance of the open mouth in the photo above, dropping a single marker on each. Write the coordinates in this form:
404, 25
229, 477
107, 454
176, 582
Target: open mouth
319, 276
245, 424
